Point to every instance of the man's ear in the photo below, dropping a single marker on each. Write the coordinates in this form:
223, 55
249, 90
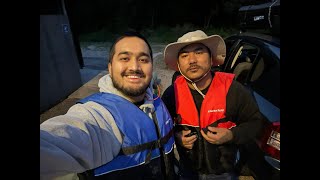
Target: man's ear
109, 68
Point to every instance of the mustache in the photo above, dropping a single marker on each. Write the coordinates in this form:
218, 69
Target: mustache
194, 66
133, 73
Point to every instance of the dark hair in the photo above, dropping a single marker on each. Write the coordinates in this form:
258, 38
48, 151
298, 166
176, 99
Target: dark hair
128, 34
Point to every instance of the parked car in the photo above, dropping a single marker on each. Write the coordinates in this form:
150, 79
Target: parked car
255, 60
261, 16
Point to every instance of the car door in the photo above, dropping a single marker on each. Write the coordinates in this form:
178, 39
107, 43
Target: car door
241, 60
264, 81
256, 68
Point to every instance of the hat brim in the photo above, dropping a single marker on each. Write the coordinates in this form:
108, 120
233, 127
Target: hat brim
215, 43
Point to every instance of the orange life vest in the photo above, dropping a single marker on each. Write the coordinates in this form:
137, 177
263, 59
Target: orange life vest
213, 106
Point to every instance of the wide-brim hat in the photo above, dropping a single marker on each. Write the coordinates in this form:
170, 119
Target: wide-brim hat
215, 43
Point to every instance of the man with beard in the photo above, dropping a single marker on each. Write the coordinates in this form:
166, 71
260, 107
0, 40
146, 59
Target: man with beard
213, 113
122, 132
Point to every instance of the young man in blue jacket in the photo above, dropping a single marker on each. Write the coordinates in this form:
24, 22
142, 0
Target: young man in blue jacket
123, 132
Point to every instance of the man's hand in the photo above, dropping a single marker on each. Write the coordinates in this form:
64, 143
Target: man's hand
217, 135
184, 141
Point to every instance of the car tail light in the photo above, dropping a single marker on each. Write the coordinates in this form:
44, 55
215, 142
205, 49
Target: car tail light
270, 143
274, 140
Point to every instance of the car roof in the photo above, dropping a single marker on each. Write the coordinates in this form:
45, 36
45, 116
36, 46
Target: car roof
258, 36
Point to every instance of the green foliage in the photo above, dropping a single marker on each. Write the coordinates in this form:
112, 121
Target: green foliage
161, 34
166, 34
102, 35
222, 31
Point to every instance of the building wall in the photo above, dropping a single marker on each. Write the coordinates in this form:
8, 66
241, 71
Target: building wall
59, 67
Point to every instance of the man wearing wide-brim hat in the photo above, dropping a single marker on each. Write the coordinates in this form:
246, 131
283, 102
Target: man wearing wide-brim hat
213, 113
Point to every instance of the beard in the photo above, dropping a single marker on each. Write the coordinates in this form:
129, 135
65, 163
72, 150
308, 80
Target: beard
133, 92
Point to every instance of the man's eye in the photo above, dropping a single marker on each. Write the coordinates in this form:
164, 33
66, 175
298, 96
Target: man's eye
183, 55
124, 59
144, 60
199, 52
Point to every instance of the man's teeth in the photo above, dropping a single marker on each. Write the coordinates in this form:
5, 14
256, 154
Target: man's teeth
133, 76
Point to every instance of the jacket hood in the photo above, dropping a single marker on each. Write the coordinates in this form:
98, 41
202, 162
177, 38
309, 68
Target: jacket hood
105, 84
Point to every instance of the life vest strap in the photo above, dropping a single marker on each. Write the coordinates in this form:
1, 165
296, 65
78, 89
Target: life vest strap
149, 145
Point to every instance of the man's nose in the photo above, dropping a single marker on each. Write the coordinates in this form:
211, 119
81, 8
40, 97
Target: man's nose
192, 58
134, 64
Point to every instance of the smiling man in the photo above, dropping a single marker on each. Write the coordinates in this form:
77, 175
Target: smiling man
130, 67
123, 132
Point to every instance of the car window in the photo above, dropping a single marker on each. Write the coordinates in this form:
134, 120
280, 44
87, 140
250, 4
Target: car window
242, 62
231, 44
265, 79
236, 58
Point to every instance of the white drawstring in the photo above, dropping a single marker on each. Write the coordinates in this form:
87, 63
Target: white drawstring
194, 82
195, 86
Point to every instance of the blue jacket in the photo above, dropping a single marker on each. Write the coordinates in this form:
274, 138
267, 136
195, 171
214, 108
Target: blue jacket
141, 141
